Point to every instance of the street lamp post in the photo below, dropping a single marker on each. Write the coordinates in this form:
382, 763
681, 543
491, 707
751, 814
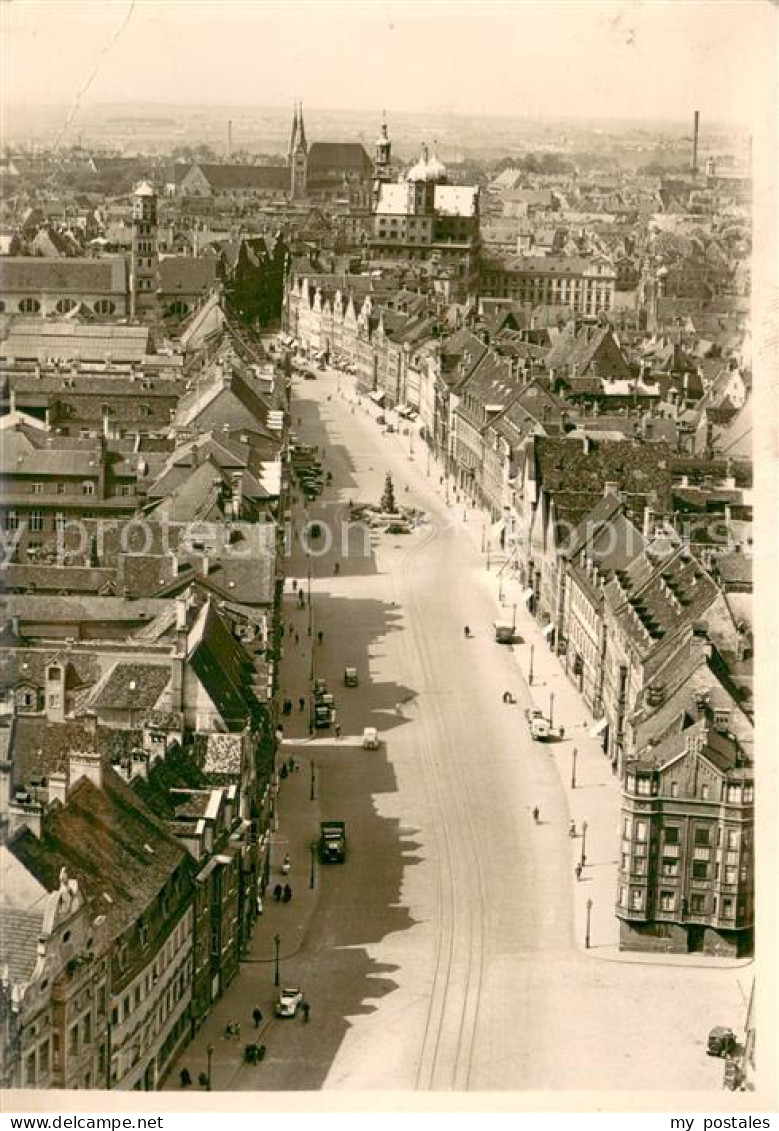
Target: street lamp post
587, 930
573, 768
500, 586
277, 944
584, 844
310, 609
488, 557
209, 1054
312, 850
530, 672
514, 618
483, 537
312, 794
551, 708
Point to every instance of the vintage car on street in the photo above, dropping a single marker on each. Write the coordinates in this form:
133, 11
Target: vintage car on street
289, 1002
350, 677
539, 725
370, 738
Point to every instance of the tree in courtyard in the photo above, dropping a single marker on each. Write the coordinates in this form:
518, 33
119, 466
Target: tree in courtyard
388, 504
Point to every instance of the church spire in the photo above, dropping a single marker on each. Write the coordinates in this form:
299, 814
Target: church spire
302, 130
294, 134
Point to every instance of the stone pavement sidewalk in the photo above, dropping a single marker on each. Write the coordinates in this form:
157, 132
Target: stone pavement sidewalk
254, 985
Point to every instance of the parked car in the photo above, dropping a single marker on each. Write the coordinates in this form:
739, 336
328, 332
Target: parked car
398, 528
370, 738
290, 1000
722, 1041
308, 375
350, 677
539, 725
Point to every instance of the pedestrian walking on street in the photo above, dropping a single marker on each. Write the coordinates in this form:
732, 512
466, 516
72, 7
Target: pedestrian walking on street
572, 829
185, 1078
562, 733
337, 730
536, 814
297, 638
306, 1009
287, 893
302, 703
320, 636
578, 871
257, 1016
277, 892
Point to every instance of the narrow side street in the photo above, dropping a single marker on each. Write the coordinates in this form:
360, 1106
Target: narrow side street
444, 954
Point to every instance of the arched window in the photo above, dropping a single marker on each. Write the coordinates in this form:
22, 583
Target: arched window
179, 307
65, 304
104, 306
29, 306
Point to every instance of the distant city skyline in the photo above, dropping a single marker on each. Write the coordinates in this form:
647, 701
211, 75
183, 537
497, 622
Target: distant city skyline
631, 61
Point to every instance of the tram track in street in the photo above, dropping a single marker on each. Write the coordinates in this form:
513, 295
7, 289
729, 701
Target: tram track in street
447, 1043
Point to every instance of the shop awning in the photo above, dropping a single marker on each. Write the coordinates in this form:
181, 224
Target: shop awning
547, 630
378, 397
528, 593
597, 730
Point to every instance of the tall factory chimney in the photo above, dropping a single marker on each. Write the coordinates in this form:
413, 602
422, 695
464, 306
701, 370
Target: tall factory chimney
230, 138
696, 125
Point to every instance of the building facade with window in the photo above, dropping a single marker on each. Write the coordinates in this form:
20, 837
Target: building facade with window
686, 872
54, 996
35, 285
423, 219
587, 286
138, 883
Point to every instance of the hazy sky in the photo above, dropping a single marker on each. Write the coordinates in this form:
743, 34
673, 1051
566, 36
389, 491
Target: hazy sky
640, 59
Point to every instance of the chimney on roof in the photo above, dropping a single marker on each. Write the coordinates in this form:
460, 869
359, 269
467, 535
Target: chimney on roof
181, 614
648, 524
55, 692
58, 788
206, 564
611, 488
24, 813
85, 764
5, 785
139, 764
